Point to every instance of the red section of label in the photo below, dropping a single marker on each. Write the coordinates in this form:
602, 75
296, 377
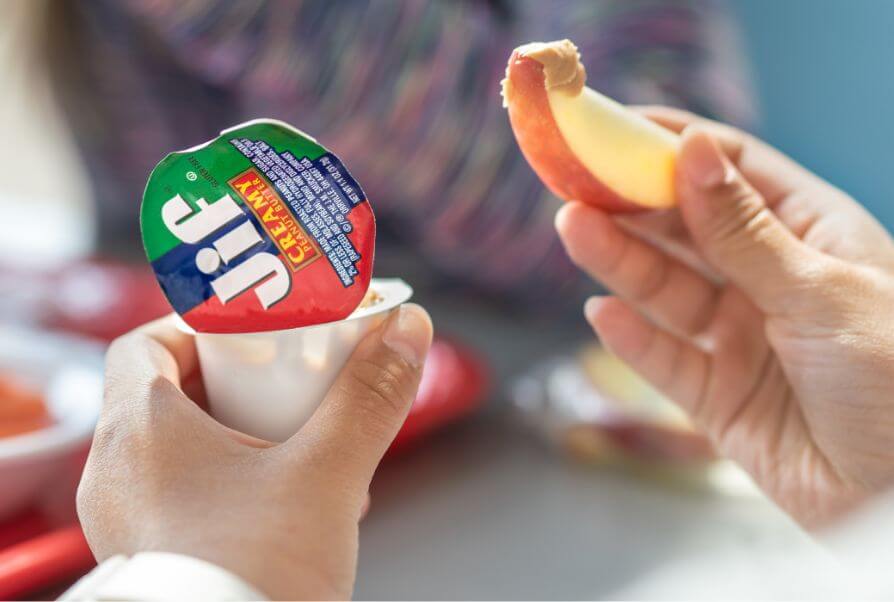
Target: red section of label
323, 297
297, 248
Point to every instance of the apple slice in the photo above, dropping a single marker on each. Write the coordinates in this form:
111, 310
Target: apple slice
582, 144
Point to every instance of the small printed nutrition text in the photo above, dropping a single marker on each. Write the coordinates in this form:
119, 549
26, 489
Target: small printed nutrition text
318, 193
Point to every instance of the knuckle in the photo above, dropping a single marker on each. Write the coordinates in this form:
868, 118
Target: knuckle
700, 314
151, 406
614, 262
133, 417
827, 277
106, 436
115, 442
745, 219
382, 389
84, 499
824, 293
655, 277
137, 404
836, 286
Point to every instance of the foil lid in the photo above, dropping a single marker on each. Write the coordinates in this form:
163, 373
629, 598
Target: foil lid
260, 229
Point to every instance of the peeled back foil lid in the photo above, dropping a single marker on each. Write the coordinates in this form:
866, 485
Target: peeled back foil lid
259, 229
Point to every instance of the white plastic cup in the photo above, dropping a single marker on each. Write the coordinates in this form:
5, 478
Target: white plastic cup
268, 384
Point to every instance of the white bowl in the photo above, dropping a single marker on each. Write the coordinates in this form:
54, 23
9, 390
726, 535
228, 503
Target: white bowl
69, 371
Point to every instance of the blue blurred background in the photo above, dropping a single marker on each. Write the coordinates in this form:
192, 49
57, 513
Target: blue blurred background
824, 71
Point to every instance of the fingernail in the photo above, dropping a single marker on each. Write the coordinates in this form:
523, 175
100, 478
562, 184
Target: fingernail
561, 216
704, 163
591, 308
408, 333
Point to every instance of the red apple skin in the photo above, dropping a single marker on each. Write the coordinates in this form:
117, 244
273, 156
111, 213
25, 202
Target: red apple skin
543, 146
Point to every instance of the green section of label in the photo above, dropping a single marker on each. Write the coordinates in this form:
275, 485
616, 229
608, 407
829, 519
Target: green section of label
202, 173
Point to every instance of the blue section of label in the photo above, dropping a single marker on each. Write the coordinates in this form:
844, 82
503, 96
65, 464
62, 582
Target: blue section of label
184, 284
320, 193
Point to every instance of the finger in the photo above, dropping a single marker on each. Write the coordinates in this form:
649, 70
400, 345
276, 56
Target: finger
142, 399
356, 422
797, 196
667, 231
732, 226
669, 293
773, 174
176, 341
147, 360
782, 182
144, 377
675, 368
664, 225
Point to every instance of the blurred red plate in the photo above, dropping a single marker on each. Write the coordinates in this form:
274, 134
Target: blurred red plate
23, 526
453, 385
43, 561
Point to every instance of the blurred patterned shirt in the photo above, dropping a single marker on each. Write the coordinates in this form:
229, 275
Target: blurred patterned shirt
405, 92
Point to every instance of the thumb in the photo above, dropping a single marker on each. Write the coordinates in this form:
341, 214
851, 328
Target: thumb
732, 226
366, 406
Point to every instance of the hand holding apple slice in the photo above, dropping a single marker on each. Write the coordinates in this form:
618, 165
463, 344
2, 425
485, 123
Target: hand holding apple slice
583, 145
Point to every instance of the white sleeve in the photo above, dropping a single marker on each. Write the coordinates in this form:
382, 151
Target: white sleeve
160, 576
